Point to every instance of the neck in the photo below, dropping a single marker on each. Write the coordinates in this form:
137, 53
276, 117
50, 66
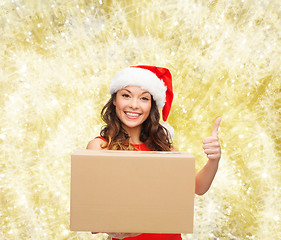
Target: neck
134, 134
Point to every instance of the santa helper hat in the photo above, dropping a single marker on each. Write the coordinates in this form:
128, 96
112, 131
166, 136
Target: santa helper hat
156, 80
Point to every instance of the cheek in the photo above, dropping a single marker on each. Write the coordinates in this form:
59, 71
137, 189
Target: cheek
148, 108
118, 111
118, 103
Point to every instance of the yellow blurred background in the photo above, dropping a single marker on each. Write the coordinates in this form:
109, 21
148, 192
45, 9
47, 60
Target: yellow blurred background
57, 60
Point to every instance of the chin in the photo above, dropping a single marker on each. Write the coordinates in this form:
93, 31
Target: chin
132, 125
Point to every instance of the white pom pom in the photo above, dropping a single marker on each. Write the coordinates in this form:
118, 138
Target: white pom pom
171, 131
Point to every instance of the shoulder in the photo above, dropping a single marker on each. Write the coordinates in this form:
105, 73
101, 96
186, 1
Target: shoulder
174, 149
96, 143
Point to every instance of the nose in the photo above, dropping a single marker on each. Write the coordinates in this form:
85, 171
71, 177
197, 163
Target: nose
134, 103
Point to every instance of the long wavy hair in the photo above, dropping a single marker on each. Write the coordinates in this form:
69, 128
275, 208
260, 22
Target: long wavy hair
153, 134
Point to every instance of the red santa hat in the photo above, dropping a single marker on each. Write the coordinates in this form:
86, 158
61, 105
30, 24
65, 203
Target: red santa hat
156, 80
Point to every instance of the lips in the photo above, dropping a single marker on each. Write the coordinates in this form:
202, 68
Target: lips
132, 115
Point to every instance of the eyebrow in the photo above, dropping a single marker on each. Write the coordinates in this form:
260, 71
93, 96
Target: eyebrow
131, 92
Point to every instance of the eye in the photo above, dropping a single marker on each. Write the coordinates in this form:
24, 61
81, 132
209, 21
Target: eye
145, 98
125, 95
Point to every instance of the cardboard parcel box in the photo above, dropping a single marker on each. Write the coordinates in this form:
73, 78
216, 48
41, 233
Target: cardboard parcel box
132, 191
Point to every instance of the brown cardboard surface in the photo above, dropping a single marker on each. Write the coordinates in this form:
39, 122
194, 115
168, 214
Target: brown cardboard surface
132, 191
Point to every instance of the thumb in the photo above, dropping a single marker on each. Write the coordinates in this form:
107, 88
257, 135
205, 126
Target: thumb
216, 127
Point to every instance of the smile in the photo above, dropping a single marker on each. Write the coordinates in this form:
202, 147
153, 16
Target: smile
130, 114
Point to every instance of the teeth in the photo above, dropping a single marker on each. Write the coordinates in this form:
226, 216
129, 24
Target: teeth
132, 114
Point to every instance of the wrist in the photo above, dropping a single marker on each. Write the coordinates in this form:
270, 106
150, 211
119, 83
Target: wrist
213, 162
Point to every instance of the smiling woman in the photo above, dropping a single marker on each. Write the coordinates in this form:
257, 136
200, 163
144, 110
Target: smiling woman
132, 120
132, 123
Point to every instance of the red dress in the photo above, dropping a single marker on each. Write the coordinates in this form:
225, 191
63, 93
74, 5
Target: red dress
150, 236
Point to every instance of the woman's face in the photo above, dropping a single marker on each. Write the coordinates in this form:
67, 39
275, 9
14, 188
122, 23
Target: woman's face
133, 105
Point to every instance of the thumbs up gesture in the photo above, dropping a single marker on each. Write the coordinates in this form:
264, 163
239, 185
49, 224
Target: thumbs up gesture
211, 145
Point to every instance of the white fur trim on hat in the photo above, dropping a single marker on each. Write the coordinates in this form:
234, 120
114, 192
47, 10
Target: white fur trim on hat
143, 78
170, 129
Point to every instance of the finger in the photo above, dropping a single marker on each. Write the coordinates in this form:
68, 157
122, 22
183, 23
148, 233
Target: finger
114, 235
210, 139
216, 127
212, 151
211, 145
132, 234
214, 156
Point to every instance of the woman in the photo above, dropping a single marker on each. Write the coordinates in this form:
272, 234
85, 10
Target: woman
132, 123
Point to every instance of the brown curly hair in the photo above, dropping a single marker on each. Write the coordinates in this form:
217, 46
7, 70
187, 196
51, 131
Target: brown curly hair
153, 134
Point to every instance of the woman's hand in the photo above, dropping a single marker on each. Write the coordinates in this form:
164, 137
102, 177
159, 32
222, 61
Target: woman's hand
123, 235
120, 235
211, 145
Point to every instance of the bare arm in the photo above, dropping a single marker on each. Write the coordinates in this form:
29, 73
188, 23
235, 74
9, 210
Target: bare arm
211, 146
95, 144
205, 176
